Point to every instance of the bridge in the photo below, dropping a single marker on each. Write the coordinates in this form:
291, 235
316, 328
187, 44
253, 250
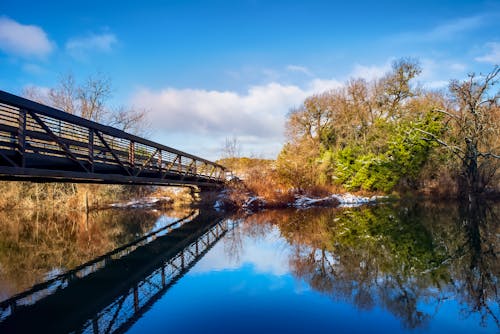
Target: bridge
42, 144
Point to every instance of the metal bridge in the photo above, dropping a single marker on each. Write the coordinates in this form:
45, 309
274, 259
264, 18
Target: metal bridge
42, 144
109, 294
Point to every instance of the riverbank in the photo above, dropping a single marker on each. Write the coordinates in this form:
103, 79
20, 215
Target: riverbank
231, 199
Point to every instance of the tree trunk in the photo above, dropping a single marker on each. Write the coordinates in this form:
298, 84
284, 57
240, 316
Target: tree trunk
470, 185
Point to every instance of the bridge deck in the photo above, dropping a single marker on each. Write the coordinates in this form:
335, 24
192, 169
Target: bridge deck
40, 143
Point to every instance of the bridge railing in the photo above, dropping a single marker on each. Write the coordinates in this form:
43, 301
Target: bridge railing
35, 136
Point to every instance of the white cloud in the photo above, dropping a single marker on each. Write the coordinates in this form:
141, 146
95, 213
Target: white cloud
437, 73
458, 67
438, 84
267, 254
23, 40
260, 111
322, 85
33, 69
299, 69
256, 117
80, 47
370, 72
453, 28
36, 93
493, 56
446, 30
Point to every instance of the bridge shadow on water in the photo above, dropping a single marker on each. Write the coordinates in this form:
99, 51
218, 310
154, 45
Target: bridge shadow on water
109, 293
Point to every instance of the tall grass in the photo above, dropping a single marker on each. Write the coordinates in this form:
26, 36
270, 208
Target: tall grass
65, 196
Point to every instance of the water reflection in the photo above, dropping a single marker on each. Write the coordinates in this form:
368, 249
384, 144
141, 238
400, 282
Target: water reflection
413, 261
112, 297
402, 258
38, 245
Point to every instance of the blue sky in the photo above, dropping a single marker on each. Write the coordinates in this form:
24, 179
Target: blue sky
207, 70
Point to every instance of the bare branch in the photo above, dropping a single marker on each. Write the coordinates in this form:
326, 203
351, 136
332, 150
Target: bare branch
489, 155
454, 149
448, 114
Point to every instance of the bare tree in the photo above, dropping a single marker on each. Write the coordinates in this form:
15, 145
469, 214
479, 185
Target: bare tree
231, 148
89, 100
475, 131
312, 119
397, 85
64, 96
86, 100
130, 120
92, 96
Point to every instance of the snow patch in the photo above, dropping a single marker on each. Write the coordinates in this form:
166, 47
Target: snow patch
143, 203
254, 203
344, 200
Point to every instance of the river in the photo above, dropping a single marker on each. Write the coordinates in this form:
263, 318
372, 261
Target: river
402, 267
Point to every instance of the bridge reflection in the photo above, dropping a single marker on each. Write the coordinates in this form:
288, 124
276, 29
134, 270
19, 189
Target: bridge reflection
110, 293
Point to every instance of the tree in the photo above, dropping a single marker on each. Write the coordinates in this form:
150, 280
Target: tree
297, 166
474, 135
130, 120
396, 85
64, 96
231, 148
311, 121
89, 100
92, 96
376, 148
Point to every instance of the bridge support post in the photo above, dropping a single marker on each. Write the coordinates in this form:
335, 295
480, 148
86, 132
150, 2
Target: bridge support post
159, 160
131, 154
195, 194
21, 137
205, 196
91, 150
136, 298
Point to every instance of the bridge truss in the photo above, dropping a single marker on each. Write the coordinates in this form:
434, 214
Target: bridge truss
43, 144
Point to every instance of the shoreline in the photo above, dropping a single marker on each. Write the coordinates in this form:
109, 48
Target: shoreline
234, 201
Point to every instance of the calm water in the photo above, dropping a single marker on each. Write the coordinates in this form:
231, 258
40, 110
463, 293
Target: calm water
420, 268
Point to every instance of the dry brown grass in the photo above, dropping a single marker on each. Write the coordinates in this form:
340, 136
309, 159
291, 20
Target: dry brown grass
264, 182
65, 196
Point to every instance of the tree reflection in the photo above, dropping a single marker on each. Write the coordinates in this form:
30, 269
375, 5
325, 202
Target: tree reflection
479, 268
397, 257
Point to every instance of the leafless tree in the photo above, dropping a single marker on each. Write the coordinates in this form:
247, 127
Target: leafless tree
474, 133
130, 120
231, 148
89, 100
64, 96
92, 96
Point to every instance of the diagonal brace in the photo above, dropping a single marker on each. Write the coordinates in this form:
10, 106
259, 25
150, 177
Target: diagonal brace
57, 140
105, 143
147, 162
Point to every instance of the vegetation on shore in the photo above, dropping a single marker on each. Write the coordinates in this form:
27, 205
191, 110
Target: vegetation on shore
388, 136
